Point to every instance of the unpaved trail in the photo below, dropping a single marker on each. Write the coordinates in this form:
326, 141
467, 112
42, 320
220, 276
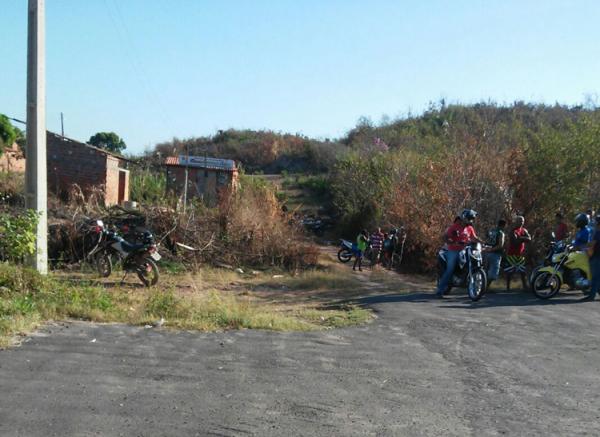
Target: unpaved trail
507, 365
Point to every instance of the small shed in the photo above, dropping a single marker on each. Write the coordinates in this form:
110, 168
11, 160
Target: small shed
71, 162
208, 178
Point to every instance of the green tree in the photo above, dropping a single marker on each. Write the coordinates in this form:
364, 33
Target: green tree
108, 141
8, 133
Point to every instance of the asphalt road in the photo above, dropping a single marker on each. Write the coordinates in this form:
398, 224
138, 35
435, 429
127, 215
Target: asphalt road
505, 366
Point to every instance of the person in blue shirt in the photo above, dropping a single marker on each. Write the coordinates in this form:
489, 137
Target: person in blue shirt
592, 224
584, 235
594, 252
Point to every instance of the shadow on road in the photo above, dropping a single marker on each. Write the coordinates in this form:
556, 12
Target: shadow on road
463, 302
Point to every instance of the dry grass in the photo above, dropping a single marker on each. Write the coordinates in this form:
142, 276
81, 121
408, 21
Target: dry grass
208, 300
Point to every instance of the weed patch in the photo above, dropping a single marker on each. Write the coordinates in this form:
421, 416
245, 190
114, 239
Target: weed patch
206, 301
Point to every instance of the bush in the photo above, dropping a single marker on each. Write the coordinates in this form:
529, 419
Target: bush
17, 235
148, 187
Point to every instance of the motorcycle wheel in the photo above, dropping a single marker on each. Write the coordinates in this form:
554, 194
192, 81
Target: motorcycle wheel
344, 255
533, 274
147, 271
476, 285
104, 264
545, 285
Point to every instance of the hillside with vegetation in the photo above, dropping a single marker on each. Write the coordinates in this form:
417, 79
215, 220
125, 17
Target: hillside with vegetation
420, 170
259, 151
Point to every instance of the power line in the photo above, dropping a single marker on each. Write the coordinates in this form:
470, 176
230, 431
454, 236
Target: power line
126, 41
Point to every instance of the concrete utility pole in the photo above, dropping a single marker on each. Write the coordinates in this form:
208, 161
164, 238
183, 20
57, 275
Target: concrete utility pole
35, 170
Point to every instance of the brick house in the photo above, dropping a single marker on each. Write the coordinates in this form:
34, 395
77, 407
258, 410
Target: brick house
72, 163
208, 178
12, 160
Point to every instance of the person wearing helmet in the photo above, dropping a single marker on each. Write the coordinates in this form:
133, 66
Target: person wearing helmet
583, 236
456, 238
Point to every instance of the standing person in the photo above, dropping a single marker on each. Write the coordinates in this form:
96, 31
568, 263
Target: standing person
456, 237
591, 225
495, 252
376, 245
584, 234
594, 252
515, 254
361, 245
561, 231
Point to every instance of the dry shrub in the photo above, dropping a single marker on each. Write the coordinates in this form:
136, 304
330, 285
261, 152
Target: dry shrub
258, 232
248, 228
425, 200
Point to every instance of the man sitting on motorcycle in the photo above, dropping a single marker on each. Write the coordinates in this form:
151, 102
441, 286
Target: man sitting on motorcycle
583, 236
457, 237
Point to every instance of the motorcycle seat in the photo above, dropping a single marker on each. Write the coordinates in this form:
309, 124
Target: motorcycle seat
130, 247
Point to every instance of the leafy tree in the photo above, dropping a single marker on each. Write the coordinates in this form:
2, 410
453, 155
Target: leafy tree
108, 141
8, 133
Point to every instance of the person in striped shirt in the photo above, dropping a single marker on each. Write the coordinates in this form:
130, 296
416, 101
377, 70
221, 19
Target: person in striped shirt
377, 244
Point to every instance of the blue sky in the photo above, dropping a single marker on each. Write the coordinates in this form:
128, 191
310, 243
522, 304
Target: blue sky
151, 70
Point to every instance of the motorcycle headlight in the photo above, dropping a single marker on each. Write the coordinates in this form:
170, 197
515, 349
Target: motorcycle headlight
556, 258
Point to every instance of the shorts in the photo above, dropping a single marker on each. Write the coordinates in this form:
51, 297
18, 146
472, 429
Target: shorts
515, 264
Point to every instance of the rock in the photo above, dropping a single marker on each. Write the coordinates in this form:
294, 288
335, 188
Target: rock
240, 271
159, 323
255, 273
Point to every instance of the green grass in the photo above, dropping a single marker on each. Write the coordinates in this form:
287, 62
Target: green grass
208, 303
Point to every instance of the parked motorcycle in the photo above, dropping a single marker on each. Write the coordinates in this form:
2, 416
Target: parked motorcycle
139, 258
569, 267
469, 272
554, 248
345, 253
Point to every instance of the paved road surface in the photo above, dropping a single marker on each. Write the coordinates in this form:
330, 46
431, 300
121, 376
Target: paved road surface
506, 366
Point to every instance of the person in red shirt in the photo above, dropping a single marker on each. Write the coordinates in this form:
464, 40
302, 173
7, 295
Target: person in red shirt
562, 230
515, 254
457, 236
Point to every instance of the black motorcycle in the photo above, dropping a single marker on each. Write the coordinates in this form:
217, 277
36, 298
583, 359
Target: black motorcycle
469, 272
139, 258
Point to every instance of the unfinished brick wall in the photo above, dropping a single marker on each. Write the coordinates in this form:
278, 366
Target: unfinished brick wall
12, 160
70, 162
113, 171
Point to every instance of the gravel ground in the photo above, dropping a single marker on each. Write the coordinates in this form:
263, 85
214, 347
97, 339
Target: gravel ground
508, 365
